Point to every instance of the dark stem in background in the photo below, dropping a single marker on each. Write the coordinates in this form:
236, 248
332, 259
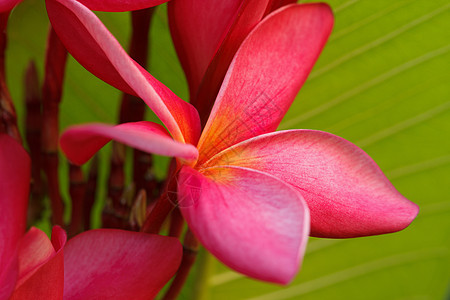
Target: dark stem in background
190, 250
55, 64
77, 189
132, 109
91, 190
33, 136
176, 223
8, 118
165, 203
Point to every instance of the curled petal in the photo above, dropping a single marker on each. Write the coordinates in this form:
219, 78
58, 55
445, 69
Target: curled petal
251, 221
94, 47
14, 187
80, 143
266, 74
41, 265
347, 193
118, 264
120, 5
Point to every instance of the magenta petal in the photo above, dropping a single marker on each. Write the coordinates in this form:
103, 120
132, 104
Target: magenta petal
347, 193
14, 187
117, 264
41, 264
251, 221
94, 47
266, 75
198, 28
80, 143
7, 5
248, 16
120, 5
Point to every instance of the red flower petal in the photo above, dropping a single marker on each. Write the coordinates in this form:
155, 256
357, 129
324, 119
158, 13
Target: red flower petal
347, 193
80, 143
251, 221
265, 75
14, 187
198, 28
249, 15
120, 5
117, 264
94, 47
7, 5
43, 263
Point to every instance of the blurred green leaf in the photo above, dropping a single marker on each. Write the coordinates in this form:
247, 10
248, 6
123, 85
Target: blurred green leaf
382, 82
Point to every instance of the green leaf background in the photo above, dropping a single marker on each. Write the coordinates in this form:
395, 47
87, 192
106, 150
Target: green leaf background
382, 82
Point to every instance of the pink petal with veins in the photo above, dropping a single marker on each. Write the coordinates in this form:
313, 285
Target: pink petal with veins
347, 193
251, 221
266, 75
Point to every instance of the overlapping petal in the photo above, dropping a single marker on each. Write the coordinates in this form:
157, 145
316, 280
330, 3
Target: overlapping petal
347, 193
198, 28
41, 265
117, 264
120, 5
14, 187
249, 15
94, 47
80, 143
265, 75
206, 35
253, 222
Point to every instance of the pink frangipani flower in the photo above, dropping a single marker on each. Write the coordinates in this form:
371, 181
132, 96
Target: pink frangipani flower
249, 194
33, 267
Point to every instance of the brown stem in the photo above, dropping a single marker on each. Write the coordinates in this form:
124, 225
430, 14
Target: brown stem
8, 117
164, 205
77, 190
91, 189
158, 215
33, 136
55, 63
176, 223
190, 249
142, 173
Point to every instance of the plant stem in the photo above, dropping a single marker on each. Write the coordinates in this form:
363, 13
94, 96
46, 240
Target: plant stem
77, 191
91, 189
8, 118
190, 249
33, 137
176, 223
55, 64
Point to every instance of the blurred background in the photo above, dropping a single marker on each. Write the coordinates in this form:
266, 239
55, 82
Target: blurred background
382, 82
